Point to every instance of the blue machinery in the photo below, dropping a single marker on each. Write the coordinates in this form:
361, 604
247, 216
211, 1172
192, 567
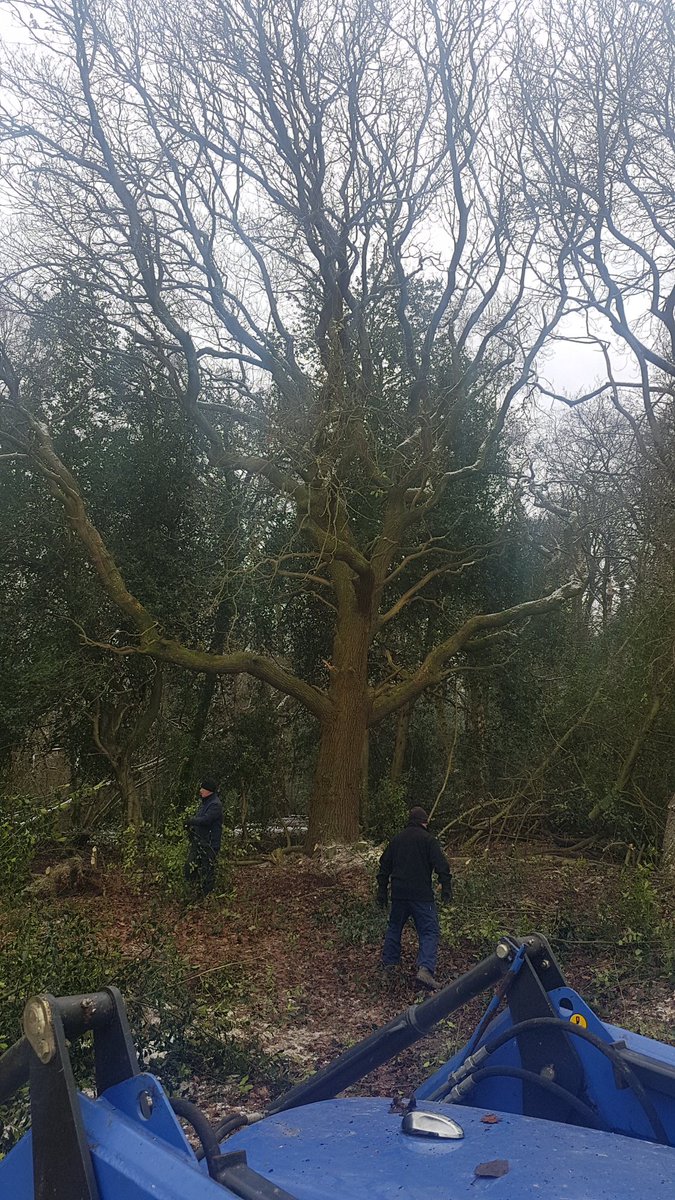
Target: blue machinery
576, 1109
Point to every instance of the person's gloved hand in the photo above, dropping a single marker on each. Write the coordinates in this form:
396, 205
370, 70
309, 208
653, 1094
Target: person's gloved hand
446, 899
382, 899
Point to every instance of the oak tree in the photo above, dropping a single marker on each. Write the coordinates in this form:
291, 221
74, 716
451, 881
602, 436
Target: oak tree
314, 217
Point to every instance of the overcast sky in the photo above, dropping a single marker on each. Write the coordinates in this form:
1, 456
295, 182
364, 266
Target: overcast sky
566, 366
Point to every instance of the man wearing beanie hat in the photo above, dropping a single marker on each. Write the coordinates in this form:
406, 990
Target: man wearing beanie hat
408, 861
205, 832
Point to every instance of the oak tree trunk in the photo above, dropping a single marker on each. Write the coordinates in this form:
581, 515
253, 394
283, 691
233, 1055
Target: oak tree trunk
339, 780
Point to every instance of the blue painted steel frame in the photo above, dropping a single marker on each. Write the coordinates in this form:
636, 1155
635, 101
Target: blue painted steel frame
355, 1149
135, 1158
617, 1105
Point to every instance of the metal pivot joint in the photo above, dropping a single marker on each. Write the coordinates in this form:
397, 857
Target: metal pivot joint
38, 1028
62, 1164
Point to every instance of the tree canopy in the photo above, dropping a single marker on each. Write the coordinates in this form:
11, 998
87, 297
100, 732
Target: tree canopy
300, 267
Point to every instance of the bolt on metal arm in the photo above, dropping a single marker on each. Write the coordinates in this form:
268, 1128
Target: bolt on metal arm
62, 1165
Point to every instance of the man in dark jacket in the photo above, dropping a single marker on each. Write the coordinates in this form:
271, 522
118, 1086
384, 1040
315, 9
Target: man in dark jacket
408, 861
205, 832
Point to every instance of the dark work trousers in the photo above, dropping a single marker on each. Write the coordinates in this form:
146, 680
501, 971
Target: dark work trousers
425, 917
200, 867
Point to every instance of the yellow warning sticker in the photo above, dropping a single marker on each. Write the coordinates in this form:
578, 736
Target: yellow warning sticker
578, 1019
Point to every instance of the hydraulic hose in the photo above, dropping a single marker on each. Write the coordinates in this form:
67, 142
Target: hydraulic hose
605, 1048
227, 1126
236, 1176
609, 1050
202, 1127
548, 1085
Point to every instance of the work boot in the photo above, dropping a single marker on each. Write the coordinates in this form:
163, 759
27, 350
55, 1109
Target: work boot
427, 980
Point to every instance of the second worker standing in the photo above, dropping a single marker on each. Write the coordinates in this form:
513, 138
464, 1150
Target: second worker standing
408, 861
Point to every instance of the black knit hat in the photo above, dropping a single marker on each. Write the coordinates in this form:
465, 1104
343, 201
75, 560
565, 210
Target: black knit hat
209, 784
418, 816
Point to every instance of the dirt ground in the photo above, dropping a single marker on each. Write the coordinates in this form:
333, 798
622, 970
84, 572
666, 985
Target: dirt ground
269, 980
307, 985
290, 957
